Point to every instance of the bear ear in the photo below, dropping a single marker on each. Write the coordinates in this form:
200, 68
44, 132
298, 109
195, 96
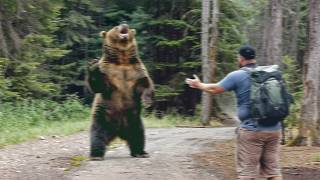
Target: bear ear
133, 31
103, 34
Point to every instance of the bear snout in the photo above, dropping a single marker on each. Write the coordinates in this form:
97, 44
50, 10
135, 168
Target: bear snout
124, 31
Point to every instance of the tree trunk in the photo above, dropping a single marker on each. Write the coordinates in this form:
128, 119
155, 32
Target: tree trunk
3, 44
14, 37
20, 9
291, 25
206, 101
274, 44
293, 51
263, 60
209, 51
310, 110
213, 48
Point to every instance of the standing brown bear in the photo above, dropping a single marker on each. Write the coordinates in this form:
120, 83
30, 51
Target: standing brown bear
121, 84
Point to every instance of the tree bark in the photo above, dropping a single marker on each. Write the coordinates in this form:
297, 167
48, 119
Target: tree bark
206, 100
274, 49
3, 44
293, 50
208, 53
310, 110
20, 9
263, 60
14, 37
213, 48
291, 26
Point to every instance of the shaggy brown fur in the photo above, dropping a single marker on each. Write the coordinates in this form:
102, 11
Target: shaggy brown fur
121, 83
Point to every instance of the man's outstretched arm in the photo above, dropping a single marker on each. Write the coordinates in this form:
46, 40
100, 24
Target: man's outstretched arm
210, 87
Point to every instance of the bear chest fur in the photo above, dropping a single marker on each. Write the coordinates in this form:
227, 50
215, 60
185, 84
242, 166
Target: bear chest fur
122, 79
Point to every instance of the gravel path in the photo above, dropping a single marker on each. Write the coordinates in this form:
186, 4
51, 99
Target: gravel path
171, 153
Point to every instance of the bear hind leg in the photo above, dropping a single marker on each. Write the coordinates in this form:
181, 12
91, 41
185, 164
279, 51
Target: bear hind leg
136, 142
99, 139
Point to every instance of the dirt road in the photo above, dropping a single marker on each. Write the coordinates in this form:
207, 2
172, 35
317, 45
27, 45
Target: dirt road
171, 158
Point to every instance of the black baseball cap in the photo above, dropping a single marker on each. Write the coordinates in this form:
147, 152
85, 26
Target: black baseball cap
248, 52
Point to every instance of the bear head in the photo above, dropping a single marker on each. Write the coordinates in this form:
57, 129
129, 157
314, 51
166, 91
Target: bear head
120, 37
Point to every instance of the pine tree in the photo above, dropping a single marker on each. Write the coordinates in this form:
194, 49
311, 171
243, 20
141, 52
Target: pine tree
28, 47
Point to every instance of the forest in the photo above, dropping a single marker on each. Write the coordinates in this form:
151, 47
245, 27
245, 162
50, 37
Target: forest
45, 47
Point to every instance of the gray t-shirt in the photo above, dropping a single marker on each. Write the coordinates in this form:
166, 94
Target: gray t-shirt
239, 82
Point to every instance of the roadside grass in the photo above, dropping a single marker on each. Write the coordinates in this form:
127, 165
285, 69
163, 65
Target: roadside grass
316, 158
169, 121
76, 161
32, 119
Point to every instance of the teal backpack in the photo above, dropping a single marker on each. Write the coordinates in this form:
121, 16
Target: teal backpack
270, 101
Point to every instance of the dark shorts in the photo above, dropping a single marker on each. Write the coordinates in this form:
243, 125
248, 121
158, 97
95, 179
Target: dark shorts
258, 153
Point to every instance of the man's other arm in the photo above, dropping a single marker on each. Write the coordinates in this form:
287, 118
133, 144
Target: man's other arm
207, 87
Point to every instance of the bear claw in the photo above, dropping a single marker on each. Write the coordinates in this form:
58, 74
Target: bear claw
96, 158
142, 155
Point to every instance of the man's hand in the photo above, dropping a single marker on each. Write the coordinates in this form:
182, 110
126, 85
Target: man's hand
207, 87
194, 83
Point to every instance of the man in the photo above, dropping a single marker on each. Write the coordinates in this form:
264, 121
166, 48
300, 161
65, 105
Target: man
257, 146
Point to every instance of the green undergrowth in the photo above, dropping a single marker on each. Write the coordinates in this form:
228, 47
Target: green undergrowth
32, 119
169, 121
316, 158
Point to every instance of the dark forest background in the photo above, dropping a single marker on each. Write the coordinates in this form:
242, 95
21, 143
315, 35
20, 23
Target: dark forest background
46, 45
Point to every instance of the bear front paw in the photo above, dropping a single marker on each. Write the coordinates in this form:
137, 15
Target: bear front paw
147, 98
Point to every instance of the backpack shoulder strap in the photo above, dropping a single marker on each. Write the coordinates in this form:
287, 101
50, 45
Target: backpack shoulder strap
248, 70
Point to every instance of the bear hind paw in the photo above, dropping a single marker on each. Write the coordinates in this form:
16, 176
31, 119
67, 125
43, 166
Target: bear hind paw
140, 155
96, 158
